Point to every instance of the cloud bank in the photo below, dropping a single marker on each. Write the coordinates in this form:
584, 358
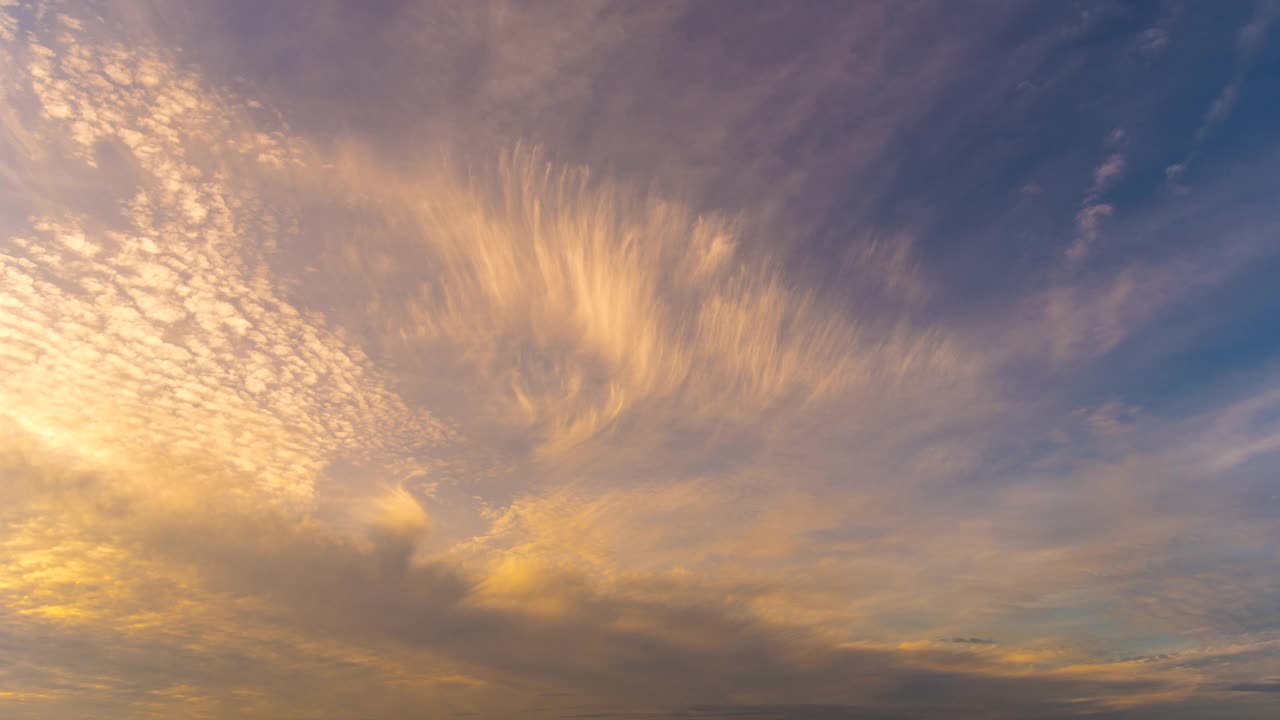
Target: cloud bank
531, 422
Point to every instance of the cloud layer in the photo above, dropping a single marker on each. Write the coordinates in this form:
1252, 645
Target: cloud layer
589, 403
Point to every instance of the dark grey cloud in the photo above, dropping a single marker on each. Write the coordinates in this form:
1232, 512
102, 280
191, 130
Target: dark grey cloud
1271, 686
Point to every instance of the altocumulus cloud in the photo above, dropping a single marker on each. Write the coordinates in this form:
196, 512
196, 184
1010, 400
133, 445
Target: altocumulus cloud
291, 428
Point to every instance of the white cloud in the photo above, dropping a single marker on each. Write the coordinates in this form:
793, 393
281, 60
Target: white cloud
1094, 210
1152, 41
117, 332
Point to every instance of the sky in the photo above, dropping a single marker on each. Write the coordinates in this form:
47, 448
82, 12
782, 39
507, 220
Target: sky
654, 360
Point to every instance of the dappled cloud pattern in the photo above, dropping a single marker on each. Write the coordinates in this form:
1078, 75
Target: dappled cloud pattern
293, 427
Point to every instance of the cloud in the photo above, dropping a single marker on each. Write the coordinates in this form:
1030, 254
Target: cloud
196, 388
291, 427
1249, 42
1152, 41
1255, 687
1219, 110
1253, 36
1107, 173
1088, 221
116, 325
1094, 210
242, 571
577, 303
397, 513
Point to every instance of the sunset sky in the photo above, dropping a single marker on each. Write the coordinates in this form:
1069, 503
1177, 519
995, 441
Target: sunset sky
639, 360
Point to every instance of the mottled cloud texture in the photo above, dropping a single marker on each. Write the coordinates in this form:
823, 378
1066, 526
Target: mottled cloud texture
617, 360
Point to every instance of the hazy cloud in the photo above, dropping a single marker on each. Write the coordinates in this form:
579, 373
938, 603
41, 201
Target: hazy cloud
504, 386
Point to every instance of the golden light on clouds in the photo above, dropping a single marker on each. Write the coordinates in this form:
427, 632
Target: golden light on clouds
504, 425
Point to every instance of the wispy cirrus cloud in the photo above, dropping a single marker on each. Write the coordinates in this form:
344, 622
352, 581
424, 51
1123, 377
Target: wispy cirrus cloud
1094, 209
1249, 42
294, 424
